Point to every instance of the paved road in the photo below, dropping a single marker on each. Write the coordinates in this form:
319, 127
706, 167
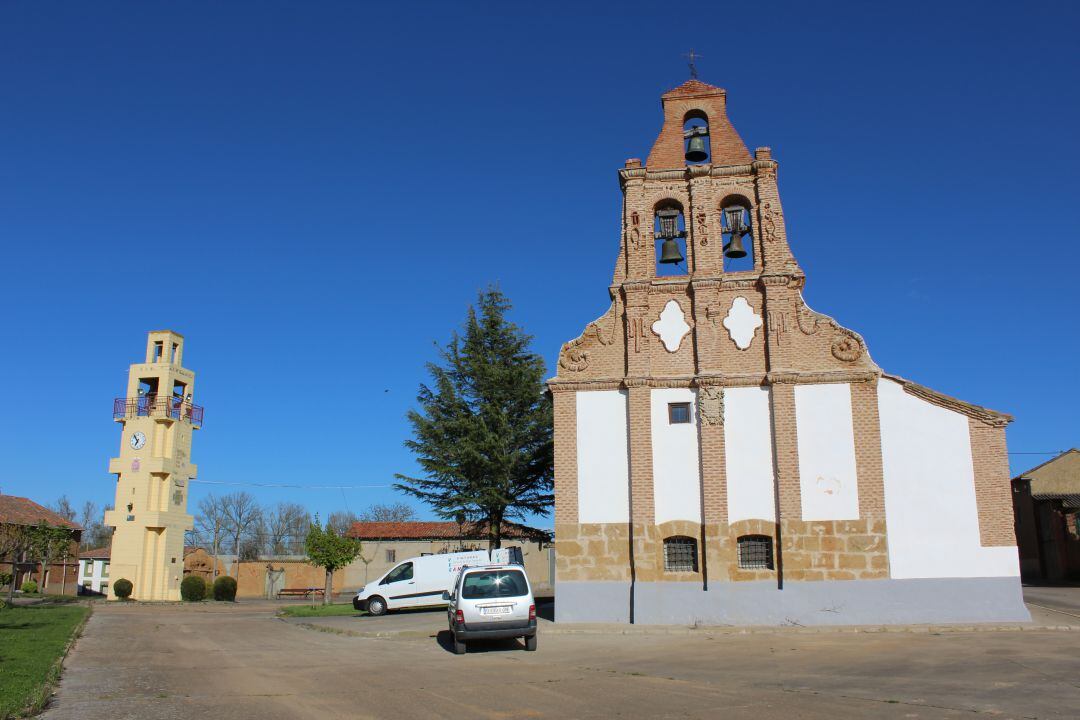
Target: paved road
241, 662
1063, 600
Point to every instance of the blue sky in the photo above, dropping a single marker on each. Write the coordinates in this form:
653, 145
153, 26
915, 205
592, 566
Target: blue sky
313, 193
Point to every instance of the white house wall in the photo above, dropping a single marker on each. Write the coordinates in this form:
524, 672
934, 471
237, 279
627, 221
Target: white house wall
749, 454
676, 483
602, 462
827, 473
930, 506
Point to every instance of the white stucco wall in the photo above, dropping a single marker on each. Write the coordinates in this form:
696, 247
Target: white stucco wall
602, 462
749, 454
827, 473
99, 573
676, 479
930, 508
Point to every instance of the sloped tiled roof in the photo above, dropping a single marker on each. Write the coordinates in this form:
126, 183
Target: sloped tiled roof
424, 530
16, 510
102, 553
1059, 475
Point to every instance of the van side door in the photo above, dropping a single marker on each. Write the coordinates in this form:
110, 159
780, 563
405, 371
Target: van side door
399, 587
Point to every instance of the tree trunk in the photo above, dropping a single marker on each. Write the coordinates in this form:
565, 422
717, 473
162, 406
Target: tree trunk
14, 576
44, 578
329, 587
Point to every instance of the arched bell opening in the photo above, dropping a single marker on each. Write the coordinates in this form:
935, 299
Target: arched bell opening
736, 220
696, 138
669, 232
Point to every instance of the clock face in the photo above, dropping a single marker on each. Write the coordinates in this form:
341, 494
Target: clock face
138, 440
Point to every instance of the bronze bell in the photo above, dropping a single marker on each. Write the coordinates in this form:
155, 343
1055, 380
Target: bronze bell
735, 249
670, 253
696, 149
735, 225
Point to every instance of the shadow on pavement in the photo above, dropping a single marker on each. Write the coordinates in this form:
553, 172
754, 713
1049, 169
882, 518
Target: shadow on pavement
446, 641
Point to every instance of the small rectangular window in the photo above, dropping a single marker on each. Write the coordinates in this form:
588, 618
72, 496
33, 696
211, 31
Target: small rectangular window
678, 413
680, 554
159, 350
391, 556
755, 552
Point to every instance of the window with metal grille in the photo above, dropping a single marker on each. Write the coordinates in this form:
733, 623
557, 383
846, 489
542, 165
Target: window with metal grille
755, 552
678, 413
391, 556
680, 554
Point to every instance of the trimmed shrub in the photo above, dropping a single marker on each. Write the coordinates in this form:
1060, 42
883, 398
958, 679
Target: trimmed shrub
225, 588
5, 578
122, 588
193, 588
29, 587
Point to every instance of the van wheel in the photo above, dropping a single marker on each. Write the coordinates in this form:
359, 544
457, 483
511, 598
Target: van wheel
459, 647
376, 606
530, 643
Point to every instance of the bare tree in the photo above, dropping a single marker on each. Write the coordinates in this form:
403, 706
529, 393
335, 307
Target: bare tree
63, 508
286, 525
212, 524
394, 512
243, 517
340, 521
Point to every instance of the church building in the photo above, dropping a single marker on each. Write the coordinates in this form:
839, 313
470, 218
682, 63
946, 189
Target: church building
726, 455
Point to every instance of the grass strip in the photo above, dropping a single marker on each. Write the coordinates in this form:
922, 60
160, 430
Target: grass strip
33, 644
334, 610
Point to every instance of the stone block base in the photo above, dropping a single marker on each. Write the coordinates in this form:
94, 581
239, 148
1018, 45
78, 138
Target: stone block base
847, 602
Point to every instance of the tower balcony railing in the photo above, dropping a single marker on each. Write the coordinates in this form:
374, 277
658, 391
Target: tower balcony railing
159, 407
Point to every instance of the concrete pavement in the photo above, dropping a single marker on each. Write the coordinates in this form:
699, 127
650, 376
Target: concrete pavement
240, 661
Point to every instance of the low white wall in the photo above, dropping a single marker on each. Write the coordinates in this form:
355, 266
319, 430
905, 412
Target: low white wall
676, 478
827, 474
748, 450
930, 506
602, 461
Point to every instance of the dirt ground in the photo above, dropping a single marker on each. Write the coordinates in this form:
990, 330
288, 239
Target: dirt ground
240, 661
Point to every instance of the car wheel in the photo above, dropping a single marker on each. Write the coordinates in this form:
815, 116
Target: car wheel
376, 606
459, 647
530, 643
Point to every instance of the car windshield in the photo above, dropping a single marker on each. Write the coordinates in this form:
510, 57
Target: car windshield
494, 584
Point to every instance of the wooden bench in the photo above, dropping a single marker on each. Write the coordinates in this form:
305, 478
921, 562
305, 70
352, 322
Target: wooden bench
301, 592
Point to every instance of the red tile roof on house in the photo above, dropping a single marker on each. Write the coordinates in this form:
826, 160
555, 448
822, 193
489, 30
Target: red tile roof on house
16, 510
423, 530
102, 553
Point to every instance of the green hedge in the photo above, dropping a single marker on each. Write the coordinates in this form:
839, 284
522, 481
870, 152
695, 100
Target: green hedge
193, 588
225, 588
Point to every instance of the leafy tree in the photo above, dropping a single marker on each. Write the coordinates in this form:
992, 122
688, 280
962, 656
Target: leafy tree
15, 543
48, 544
395, 512
483, 434
331, 551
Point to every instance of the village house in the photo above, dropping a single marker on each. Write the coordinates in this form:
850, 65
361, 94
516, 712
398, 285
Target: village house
1046, 512
94, 571
726, 454
60, 576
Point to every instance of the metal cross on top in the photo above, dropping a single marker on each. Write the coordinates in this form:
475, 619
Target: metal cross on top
691, 57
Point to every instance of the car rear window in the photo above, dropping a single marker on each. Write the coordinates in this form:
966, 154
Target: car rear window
494, 584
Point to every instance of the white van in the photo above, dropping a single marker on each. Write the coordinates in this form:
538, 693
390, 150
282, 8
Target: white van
421, 581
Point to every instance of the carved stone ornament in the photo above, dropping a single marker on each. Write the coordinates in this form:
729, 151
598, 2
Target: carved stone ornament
711, 404
846, 347
572, 357
742, 323
671, 327
768, 222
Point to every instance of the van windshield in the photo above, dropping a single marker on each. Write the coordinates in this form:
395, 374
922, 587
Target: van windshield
494, 584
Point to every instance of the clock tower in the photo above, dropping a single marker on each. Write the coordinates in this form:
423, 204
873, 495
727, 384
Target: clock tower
157, 420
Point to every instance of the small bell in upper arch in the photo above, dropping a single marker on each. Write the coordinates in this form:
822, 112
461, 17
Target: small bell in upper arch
697, 149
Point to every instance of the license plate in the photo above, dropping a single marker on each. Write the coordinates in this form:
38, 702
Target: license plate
495, 610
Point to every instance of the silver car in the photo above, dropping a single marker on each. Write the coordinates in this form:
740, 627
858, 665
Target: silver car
490, 602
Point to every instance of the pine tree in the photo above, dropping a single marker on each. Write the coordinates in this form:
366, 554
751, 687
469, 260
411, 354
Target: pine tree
483, 434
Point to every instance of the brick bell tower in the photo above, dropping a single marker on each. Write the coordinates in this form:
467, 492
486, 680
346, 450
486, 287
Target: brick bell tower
157, 420
685, 468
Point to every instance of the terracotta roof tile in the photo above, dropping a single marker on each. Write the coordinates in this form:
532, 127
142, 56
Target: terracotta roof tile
425, 530
16, 510
692, 87
102, 553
